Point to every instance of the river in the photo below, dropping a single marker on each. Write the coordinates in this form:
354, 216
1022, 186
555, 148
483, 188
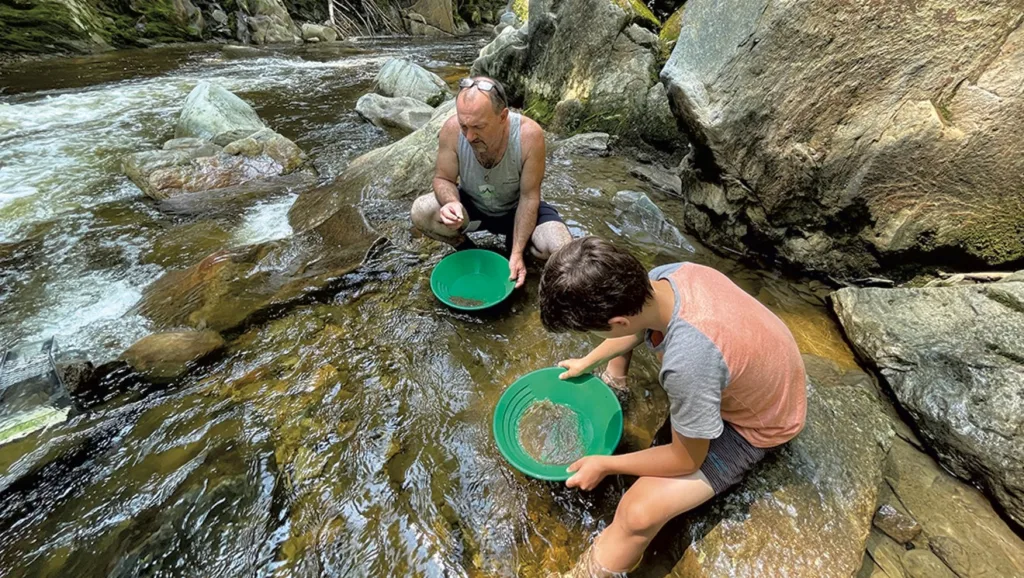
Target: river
349, 436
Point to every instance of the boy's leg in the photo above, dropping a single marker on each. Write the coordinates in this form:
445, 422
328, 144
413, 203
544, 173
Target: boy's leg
648, 505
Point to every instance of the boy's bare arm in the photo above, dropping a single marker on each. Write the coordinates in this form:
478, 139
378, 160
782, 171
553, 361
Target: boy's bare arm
682, 457
609, 349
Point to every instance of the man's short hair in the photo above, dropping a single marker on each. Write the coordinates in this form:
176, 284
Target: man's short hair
587, 283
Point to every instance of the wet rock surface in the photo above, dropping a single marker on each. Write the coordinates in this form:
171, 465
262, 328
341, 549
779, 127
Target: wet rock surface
951, 358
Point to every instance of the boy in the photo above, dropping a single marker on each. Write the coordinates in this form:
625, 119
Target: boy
732, 371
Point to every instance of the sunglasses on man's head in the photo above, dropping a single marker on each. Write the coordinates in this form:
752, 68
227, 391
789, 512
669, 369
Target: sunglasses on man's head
485, 85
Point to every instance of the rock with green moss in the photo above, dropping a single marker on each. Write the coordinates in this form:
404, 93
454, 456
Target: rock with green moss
893, 147
579, 78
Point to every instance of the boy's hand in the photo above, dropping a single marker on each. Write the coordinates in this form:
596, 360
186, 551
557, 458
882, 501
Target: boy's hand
574, 368
589, 473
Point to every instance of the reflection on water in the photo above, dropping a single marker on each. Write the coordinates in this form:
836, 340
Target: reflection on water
349, 436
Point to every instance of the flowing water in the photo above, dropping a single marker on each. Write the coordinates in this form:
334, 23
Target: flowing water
348, 436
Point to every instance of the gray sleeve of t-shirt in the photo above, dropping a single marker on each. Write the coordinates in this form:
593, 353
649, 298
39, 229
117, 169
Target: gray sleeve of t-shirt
694, 374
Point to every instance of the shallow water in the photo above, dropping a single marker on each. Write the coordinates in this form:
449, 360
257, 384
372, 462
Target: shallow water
349, 435
550, 433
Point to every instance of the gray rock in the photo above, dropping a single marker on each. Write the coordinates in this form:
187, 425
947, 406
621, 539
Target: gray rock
890, 149
166, 356
403, 112
586, 144
643, 221
659, 124
807, 509
662, 179
211, 109
400, 77
952, 357
270, 23
261, 156
896, 524
219, 16
433, 15
959, 525
319, 33
608, 66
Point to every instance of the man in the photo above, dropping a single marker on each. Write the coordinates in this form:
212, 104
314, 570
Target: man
490, 163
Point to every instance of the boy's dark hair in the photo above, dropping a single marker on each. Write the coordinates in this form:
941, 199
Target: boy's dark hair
588, 282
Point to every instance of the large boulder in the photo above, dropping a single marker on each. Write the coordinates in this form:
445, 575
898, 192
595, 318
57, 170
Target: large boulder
269, 22
581, 78
952, 357
402, 112
855, 137
211, 109
399, 77
168, 355
806, 511
316, 33
199, 166
221, 143
430, 18
401, 170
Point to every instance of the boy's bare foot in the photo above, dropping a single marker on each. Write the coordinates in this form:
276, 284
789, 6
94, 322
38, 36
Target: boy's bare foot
618, 384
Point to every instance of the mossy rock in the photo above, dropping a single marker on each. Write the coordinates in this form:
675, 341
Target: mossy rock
670, 32
31, 26
521, 8
641, 13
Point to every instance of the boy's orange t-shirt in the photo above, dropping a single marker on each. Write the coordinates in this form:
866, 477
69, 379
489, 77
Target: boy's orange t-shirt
727, 358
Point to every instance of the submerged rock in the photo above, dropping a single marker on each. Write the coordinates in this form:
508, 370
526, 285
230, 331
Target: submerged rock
230, 287
399, 77
891, 143
662, 179
951, 356
643, 221
402, 112
166, 356
806, 510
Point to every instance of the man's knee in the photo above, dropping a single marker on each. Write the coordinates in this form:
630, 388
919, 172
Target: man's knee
423, 212
548, 238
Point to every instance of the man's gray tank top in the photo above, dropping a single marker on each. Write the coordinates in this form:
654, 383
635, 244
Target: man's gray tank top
495, 191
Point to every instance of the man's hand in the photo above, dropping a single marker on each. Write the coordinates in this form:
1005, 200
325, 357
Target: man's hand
451, 215
589, 472
573, 368
517, 269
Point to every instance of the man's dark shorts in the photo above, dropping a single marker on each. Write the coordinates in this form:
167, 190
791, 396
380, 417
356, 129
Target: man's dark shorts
505, 224
730, 457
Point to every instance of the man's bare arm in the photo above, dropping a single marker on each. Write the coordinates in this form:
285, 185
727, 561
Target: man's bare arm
446, 172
